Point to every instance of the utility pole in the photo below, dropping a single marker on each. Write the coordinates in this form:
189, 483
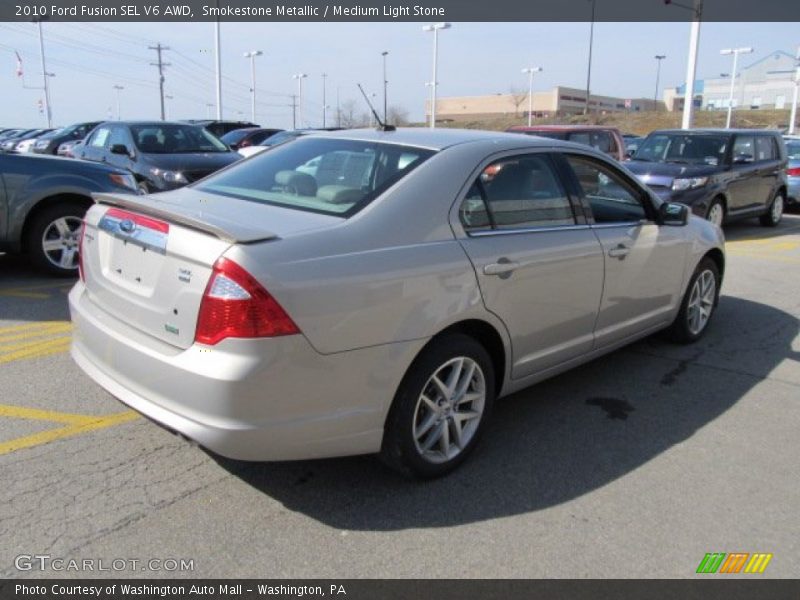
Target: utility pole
324, 102
160, 64
338, 109
218, 60
168, 97
589, 69
118, 88
294, 111
47, 106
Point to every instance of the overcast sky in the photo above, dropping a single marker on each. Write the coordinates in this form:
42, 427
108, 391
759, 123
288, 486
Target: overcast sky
474, 59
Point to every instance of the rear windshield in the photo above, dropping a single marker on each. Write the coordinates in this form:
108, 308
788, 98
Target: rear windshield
793, 150
328, 176
683, 148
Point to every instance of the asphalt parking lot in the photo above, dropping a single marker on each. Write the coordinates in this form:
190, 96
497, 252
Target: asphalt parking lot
635, 465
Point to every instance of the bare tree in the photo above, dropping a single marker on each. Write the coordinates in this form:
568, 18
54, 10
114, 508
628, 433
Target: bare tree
398, 116
349, 118
518, 96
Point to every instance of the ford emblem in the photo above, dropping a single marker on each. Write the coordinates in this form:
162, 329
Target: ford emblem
127, 226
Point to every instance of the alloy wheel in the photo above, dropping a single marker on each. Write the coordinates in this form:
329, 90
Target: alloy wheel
716, 214
449, 410
701, 302
777, 209
60, 242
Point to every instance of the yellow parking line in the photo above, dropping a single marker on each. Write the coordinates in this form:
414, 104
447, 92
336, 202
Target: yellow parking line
78, 424
41, 286
38, 350
761, 256
30, 326
54, 329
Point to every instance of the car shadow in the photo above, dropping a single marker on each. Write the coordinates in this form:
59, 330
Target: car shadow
555, 441
750, 229
28, 295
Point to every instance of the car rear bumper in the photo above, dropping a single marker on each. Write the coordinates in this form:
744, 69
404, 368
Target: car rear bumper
262, 399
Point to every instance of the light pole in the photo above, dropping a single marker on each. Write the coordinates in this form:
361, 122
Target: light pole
218, 65
384, 54
300, 77
209, 106
793, 116
589, 67
659, 58
324, 102
48, 107
118, 88
736, 52
435, 82
691, 64
530, 71
252, 56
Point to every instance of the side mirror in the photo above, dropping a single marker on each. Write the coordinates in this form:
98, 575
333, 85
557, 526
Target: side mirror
630, 152
673, 214
120, 149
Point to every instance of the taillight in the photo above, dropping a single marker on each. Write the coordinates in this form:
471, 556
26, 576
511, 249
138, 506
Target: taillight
793, 172
80, 252
236, 305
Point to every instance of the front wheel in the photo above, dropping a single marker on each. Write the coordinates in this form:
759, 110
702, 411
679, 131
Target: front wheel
53, 239
774, 213
699, 303
716, 212
440, 408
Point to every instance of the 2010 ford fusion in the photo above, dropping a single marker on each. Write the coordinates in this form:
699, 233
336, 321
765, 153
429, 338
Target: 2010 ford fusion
376, 291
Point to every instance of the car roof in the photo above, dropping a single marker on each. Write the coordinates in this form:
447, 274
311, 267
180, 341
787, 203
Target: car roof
561, 128
718, 131
438, 139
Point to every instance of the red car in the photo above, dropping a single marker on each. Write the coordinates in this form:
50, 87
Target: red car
605, 139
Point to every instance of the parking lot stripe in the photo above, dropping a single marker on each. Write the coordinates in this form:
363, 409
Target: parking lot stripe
56, 328
37, 350
27, 291
78, 424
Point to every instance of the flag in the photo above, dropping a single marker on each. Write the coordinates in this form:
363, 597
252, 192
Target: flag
19, 64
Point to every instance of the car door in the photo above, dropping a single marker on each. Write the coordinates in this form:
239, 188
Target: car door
94, 147
644, 262
538, 264
743, 189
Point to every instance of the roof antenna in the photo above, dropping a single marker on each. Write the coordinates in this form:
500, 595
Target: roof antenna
381, 125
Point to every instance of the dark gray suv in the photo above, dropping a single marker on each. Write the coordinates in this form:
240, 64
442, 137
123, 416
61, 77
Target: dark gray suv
722, 174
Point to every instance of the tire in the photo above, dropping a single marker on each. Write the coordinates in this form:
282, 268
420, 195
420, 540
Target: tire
716, 212
421, 416
774, 213
53, 237
688, 326
143, 188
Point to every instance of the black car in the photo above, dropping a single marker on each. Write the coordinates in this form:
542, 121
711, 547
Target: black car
249, 136
49, 142
722, 174
162, 155
42, 203
220, 128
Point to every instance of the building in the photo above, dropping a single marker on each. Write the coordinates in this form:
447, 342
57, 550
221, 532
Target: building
767, 83
558, 102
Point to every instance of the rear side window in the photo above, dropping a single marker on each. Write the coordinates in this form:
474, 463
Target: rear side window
517, 193
100, 137
765, 148
329, 176
744, 148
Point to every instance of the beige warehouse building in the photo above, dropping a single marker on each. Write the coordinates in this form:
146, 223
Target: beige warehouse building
560, 101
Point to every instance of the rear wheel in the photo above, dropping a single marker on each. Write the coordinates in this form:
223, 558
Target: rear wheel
53, 238
440, 408
774, 213
716, 212
699, 303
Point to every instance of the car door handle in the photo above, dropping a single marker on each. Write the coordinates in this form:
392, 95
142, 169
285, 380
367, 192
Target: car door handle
501, 267
620, 252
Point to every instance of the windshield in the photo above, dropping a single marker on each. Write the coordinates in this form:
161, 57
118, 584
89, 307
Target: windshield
793, 150
692, 149
235, 136
280, 137
329, 176
174, 138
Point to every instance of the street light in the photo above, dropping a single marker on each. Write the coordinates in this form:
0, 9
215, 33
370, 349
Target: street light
435, 82
118, 89
659, 58
48, 107
793, 115
385, 84
252, 56
300, 77
736, 52
530, 71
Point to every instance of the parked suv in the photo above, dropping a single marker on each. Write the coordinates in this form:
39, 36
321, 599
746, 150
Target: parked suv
722, 174
161, 155
606, 139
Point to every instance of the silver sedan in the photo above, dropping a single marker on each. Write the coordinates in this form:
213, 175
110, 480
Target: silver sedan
376, 291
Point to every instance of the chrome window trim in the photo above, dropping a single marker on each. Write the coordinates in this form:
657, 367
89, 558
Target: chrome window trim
493, 232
